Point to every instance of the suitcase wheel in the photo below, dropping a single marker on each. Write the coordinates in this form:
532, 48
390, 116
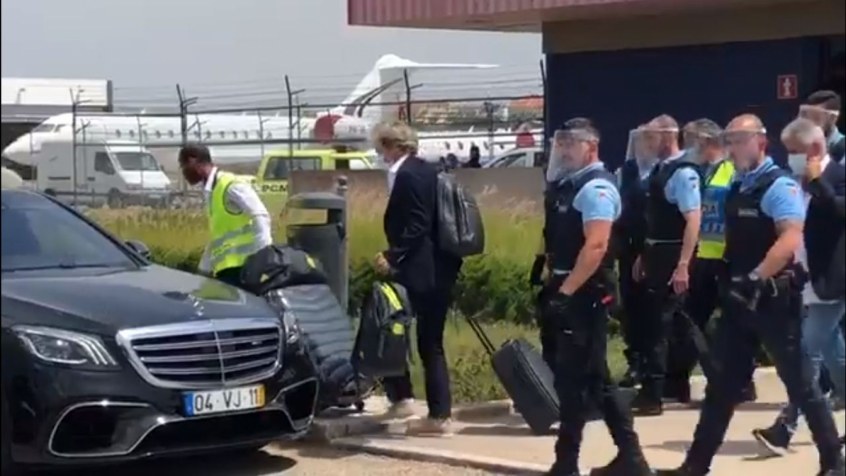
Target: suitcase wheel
359, 406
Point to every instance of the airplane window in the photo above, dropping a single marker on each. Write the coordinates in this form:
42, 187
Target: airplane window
59, 127
146, 135
246, 134
208, 134
269, 135
197, 134
258, 134
223, 134
170, 134
446, 145
117, 133
460, 146
131, 133
158, 134
234, 134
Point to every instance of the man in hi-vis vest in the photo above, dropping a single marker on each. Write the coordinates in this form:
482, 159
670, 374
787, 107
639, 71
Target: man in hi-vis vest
239, 224
703, 298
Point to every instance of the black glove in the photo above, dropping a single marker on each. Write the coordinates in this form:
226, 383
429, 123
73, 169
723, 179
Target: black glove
536, 276
746, 289
558, 303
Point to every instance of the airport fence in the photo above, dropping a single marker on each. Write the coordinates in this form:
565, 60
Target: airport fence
239, 137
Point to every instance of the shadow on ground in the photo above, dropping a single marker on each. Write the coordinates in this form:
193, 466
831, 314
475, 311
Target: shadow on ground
246, 463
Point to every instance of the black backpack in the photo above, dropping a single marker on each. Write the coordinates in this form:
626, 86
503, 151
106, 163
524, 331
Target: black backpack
461, 232
383, 344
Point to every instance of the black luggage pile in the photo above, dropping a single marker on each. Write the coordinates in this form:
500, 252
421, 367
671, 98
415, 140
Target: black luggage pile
293, 282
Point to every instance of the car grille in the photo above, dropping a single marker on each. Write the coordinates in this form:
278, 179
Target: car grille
205, 354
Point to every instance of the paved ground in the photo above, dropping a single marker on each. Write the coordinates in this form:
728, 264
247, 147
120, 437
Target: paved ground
506, 441
295, 460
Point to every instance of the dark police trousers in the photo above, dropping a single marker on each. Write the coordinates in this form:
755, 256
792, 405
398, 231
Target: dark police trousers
631, 299
660, 305
583, 381
777, 324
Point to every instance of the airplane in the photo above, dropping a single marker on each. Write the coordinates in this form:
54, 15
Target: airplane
238, 138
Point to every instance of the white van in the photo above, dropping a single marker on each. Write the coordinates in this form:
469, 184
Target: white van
116, 173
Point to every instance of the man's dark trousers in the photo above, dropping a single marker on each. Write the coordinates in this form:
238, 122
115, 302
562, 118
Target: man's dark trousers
701, 302
631, 297
582, 380
776, 324
431, 311
660, 307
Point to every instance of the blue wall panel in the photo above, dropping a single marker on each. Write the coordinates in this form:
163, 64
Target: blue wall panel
621, 89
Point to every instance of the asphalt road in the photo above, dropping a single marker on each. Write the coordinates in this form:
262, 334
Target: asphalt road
294, 460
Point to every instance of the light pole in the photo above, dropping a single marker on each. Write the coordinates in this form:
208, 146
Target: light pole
75, 103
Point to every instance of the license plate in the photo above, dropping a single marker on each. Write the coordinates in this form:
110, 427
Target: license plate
221, 401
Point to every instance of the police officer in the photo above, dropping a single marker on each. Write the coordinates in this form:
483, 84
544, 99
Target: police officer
706, 149
239, 224
629, 235
765, 212
673, 221
585, 204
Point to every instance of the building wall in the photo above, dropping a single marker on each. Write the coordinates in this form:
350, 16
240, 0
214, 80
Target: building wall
777, 20
621, 89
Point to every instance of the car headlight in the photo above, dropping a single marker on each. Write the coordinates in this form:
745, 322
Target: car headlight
292, 327
65, 347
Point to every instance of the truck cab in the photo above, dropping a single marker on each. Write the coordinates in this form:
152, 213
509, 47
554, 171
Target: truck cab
104, 172
276, 167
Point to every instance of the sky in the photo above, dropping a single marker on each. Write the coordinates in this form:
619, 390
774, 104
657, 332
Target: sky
223, 46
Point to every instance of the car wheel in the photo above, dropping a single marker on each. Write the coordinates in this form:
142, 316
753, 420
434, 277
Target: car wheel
115, 199
7, 466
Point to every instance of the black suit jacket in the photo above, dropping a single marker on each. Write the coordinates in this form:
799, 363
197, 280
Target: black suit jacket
825, 229
410, 225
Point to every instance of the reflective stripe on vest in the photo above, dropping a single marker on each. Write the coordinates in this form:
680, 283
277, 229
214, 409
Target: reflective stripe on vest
712, 240
232, 234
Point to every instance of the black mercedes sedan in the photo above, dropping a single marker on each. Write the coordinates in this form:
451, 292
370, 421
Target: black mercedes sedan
109, 358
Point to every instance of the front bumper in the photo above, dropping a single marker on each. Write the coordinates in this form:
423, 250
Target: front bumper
65, 417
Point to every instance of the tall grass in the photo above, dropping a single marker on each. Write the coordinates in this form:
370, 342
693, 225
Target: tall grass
512, 230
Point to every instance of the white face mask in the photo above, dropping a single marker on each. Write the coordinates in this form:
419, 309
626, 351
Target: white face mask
797, 163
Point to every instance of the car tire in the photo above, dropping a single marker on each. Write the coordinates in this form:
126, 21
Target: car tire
7, 466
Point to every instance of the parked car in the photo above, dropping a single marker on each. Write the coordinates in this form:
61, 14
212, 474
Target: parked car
518, 157
109, 358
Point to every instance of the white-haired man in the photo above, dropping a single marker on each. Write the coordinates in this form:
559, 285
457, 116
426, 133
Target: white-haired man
825, 186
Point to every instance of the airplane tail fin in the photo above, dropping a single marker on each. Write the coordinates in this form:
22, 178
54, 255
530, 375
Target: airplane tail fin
386, 83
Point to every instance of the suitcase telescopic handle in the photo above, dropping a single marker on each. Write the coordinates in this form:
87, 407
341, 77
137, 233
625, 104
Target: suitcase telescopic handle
480, 333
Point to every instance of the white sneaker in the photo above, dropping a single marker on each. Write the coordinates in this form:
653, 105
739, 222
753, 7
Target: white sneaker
400, 410
429, 427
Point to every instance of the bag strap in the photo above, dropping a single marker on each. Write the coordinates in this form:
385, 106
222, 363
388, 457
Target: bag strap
480, 333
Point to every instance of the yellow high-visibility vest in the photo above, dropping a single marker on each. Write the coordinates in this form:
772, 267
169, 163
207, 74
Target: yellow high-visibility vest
232, 234
712, 239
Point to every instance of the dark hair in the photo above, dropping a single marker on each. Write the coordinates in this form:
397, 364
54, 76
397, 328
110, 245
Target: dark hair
582, 123
827, 99
198, 151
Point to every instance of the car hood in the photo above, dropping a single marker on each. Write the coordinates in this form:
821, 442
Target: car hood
107, 301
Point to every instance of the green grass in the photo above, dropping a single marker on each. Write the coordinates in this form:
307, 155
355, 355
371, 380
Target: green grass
471, 374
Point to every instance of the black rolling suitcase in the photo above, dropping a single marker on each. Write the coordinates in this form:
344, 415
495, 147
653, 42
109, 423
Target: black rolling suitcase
526, 378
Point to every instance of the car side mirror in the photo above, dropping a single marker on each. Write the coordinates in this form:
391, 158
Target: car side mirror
140, 248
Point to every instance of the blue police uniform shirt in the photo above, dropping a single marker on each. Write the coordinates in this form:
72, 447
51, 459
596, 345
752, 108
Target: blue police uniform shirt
683, 188
784, 200
598, 199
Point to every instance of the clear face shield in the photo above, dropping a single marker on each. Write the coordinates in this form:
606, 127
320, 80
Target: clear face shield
820, 116
744, 147
639, 150
569, 152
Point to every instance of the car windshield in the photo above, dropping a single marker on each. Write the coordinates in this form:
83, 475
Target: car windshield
137, 161
280, 168
38, 234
